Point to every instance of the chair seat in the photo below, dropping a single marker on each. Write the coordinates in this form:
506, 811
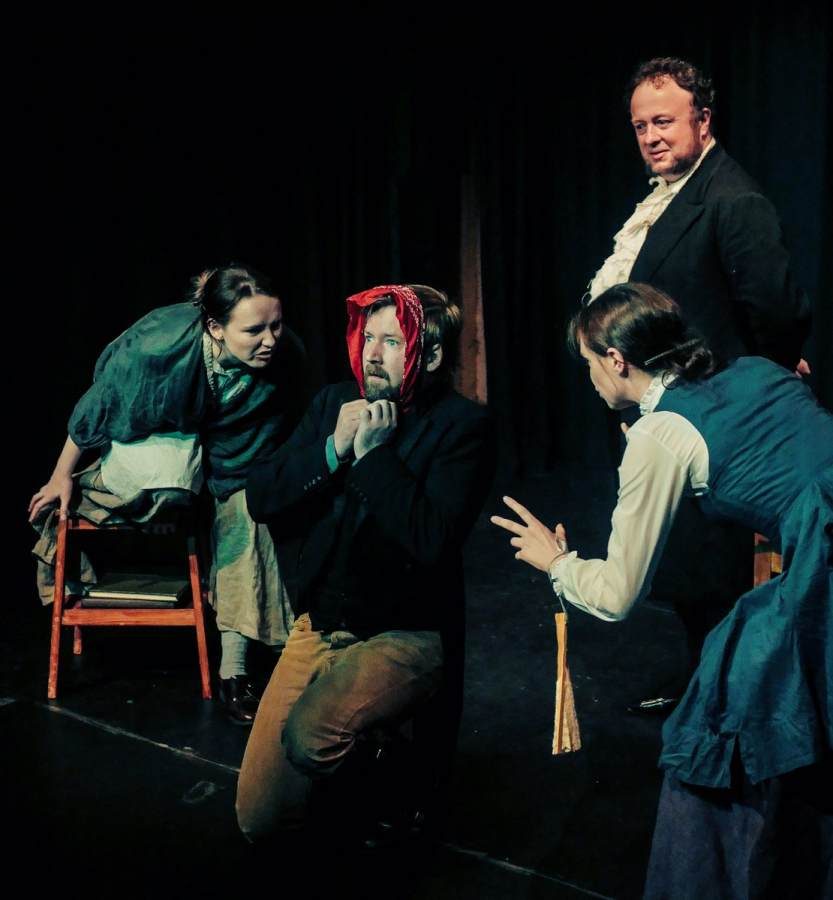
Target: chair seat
67, 611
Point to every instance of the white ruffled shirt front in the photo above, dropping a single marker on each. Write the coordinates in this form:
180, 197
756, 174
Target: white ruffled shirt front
665, 457
628, 241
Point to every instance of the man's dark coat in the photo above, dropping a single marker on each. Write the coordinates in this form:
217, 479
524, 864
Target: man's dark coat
718, 251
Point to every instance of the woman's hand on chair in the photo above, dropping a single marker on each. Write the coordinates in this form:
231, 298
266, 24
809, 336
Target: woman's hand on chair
58, 488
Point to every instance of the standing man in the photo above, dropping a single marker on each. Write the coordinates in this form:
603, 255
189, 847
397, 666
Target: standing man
705, 234
708, 237
383, 480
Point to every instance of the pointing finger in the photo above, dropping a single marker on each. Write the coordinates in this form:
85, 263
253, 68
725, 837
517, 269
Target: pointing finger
522, 511
507, 524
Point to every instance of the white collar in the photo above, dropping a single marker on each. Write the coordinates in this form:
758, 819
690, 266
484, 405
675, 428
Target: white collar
650, 399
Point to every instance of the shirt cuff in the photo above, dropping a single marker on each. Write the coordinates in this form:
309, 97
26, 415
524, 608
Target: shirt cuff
333, 462
556, 572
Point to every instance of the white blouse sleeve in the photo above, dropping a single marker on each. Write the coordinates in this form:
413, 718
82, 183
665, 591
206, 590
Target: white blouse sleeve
664, 455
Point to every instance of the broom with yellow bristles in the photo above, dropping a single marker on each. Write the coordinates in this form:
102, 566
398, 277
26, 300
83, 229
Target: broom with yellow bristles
566, 736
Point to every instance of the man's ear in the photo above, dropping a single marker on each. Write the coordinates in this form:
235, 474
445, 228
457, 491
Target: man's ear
620, 366
215, 329
704, 120
434, 358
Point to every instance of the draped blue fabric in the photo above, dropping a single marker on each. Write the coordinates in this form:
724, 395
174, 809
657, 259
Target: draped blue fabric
764, 686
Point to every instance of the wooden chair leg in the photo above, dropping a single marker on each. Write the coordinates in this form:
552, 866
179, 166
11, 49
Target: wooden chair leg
77, 648
767, 561
57, 608
199, 618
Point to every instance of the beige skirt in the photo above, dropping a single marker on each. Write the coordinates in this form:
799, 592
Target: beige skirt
247, 591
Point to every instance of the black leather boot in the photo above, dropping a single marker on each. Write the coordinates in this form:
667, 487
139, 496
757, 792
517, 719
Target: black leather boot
239, 699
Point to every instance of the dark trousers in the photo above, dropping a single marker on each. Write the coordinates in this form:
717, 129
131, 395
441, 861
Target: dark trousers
705, 567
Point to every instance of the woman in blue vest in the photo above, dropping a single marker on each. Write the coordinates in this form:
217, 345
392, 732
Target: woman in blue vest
749, 746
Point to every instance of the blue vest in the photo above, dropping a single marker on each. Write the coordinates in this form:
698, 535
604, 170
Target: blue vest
764, 686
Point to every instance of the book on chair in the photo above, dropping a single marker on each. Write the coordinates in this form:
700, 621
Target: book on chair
131, 589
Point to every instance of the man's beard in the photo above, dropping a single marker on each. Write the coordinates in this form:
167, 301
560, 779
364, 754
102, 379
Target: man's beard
379, 389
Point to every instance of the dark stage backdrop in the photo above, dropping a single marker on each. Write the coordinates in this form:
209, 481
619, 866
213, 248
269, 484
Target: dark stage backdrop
561, 173
333, 155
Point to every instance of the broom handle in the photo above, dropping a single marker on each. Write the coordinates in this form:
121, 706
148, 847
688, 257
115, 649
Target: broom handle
561, 638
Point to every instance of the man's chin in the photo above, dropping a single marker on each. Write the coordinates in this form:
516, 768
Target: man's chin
376, 389
672, 172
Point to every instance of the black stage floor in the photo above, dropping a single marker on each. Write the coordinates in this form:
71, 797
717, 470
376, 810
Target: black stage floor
125, 785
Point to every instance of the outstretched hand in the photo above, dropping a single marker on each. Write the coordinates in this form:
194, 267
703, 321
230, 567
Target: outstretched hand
535, 543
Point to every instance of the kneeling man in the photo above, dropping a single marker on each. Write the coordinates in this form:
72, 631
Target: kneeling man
383, 480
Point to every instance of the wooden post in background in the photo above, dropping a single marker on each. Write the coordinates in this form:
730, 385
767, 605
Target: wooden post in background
470, 379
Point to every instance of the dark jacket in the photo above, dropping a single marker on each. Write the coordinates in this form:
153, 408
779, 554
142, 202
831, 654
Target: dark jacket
408, 504
718, 251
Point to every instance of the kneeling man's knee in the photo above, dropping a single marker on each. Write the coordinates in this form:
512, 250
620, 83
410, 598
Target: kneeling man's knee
310, 748
250, 820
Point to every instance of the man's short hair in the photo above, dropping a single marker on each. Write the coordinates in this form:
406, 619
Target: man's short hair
686, 76
443, 323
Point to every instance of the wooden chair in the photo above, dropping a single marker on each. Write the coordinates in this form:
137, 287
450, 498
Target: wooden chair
68, 611
767, 561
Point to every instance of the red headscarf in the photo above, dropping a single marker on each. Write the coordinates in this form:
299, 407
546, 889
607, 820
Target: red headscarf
411, 321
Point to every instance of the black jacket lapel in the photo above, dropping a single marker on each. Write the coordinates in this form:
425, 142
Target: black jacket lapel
682, 213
